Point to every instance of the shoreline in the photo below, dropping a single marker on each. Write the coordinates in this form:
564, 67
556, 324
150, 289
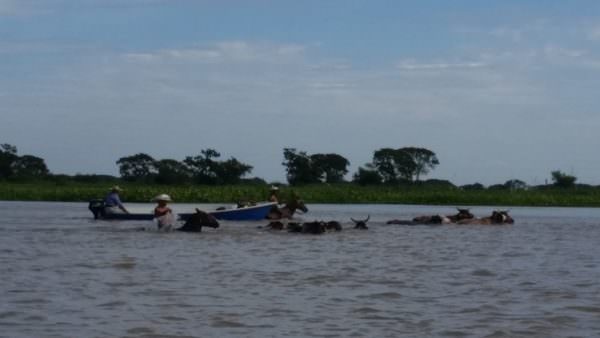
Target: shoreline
315, 194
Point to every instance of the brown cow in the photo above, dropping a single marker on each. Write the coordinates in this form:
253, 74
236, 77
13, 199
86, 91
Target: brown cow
496, 218
435, 219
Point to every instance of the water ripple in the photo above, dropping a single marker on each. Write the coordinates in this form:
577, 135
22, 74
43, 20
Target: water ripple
69, 276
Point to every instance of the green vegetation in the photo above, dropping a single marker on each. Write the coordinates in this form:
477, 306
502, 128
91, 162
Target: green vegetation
393, 176
317, 193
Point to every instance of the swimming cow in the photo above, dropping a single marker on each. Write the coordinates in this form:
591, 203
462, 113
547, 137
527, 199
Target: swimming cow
498, 217
435, 219
361, 224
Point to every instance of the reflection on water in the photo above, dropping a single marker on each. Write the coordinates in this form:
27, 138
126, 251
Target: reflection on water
62, 274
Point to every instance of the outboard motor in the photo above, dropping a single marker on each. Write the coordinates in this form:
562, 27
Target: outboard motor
97, 208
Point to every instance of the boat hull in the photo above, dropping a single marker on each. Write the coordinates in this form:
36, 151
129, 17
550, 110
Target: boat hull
252, 213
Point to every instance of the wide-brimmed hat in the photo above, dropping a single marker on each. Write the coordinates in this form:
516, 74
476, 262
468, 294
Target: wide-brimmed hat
162, 197
274, 188
116, 188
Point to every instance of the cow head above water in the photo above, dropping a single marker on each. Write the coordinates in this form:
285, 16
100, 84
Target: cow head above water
461, 215
501, 217
361, 224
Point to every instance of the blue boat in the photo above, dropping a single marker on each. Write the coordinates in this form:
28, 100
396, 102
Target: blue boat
250, 213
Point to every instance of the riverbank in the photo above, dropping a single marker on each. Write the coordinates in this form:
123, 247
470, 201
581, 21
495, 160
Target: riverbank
340, 193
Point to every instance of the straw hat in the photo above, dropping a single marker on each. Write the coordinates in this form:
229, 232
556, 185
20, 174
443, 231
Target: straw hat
162, 197
274, 188
116, 188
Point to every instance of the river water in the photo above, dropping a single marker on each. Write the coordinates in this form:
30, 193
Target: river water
62, 274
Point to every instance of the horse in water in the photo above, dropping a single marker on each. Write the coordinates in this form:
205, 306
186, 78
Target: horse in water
288, 210
196, 221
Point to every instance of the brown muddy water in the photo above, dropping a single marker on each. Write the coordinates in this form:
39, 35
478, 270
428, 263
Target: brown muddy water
62, 274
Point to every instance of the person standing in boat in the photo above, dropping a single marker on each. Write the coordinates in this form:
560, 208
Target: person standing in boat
162, 212
112, 202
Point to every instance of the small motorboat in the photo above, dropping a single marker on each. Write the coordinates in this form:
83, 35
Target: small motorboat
245, 213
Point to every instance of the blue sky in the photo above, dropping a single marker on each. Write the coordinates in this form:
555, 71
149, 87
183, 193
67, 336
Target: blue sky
498, 89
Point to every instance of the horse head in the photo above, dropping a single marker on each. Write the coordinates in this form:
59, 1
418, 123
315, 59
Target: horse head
288, 210
361, 224
296, 204
200, 219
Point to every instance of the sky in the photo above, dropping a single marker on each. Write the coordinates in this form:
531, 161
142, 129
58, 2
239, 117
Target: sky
498, 90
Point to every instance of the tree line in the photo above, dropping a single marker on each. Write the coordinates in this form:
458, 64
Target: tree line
389, 166
13, 166
205, 168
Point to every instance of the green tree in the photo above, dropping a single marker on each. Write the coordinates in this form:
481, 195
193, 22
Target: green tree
367, 176
330, 168
563, 180
384, 162
172, 172
204, 166
394, 165
138, 167
404, 164
474, 186
8, 155
515, 185
423, 161
206, 169
298, 167
29, 166
231, 171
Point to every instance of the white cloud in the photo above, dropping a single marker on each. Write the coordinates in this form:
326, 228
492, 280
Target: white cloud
558, 51
226, 51
179, 92
413, 65
329, 85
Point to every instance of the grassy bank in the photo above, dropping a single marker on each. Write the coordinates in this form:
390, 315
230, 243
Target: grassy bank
342, 193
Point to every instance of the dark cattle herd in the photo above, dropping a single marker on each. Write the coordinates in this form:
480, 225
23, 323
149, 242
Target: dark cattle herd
315, 227
200, 219
464, 216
